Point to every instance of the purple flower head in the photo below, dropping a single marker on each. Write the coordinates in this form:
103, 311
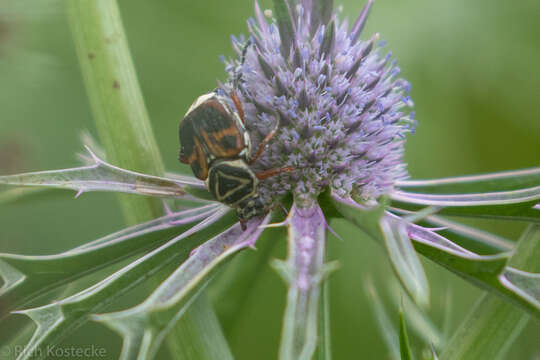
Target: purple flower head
340, 108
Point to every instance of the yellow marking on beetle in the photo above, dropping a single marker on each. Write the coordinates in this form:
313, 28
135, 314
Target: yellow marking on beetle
202, 163
198, 156
243, 182
215, 147
200, 100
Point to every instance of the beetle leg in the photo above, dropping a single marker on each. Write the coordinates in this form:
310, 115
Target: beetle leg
282, 208
238, 105
263, 144
263, 175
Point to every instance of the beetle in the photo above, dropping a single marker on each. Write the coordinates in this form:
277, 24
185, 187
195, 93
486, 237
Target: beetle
217, 146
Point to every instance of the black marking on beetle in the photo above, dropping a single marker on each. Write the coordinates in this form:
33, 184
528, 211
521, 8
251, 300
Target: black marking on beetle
187, 141
228, 141
231, 183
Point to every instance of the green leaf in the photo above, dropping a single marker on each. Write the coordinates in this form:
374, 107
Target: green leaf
386, 327
27, 277
493, 325
508, 195
366, 217
55, 321
420, 322
489, 272
470, 237
466, 236
19, 337
392, 233
18, 195
198, 337
196, 187
404, 346
526, 195
230, 290
488, 331
512, 212
523, 281
144, 327
303, 271
495, 182
102, 176
404, 259
417, 319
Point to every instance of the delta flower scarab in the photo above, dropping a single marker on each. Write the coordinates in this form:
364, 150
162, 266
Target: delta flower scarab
215, 143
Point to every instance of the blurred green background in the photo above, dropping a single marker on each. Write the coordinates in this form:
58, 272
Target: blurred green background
474, 67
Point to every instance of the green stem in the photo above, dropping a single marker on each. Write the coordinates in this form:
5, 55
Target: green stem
493, 324
124, 128
304, 272
115, 96
324, 347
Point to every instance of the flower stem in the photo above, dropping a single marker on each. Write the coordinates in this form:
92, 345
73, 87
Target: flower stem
493, 324
124, 128
324, 347
304, 272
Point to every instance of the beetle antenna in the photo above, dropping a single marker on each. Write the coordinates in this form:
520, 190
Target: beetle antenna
238, 73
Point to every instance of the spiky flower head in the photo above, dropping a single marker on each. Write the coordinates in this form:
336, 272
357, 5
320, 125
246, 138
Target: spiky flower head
341, 109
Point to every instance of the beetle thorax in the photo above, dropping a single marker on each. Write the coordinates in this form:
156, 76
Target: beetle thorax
231, 181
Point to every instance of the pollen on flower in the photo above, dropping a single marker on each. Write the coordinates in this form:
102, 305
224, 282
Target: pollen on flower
342, 110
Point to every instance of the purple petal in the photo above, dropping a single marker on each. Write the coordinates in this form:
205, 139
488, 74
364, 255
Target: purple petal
361, 21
